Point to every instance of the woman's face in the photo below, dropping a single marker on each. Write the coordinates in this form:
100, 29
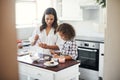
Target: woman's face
49, 19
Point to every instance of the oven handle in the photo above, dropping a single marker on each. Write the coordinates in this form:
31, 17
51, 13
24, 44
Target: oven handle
87, 50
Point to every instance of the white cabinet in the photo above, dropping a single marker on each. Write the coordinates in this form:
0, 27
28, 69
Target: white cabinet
29, 72
71, 10
101, 59
76, 10
34, 73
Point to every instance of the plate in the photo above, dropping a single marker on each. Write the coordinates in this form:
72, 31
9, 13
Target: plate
23, 53
50, 64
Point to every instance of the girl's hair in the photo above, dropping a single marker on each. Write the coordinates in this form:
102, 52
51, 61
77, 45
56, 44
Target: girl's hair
67, 30
47, 12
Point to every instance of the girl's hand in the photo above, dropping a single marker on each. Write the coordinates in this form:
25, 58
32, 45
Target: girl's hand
55, 56
55, 52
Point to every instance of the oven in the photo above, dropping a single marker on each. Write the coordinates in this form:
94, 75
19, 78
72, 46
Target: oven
88, 54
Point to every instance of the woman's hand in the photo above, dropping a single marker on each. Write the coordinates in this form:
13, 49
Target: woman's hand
52, 52
43, 45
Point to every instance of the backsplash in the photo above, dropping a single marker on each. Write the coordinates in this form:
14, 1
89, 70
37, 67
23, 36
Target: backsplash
82, 28
24, 33
87, 28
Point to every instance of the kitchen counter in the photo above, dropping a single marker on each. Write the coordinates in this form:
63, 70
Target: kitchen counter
37, 70
90, 39
27, 60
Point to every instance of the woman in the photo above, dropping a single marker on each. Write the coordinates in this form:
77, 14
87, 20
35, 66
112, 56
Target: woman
46, 36
69, 48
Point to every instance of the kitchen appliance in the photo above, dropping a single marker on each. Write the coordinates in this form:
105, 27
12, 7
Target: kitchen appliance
88, 54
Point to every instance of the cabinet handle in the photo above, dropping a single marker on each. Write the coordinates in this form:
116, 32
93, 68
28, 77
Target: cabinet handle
102, 54
87, 50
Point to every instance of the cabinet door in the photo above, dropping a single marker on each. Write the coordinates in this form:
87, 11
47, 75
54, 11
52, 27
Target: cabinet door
34, 73
22, 76
71, 9
101, 60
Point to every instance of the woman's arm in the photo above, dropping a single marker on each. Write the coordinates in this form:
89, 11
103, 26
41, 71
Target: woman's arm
35, 40
67, 57
54, 47
44, 45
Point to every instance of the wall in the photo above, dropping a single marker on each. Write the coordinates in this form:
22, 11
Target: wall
8, 49
24, 33
83, 28
112, 41
86, 17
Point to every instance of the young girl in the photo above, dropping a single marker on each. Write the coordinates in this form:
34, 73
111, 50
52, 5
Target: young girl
69, 48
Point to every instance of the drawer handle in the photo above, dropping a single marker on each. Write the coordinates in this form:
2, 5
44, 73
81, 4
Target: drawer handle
87, 50
102, 54
39, 74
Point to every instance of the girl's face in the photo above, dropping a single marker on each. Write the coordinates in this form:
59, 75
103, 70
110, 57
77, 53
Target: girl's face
62, 36
49, 19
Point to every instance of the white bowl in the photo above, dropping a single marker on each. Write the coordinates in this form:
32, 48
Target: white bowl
55, 59
34, 58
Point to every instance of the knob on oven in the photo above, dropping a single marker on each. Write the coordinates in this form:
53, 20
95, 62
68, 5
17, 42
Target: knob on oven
86, 44
81, 45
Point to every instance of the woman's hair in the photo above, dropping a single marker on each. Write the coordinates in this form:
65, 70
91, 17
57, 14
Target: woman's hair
47, 12
67, 30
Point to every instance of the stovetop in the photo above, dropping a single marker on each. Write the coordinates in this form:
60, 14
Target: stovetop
90, 39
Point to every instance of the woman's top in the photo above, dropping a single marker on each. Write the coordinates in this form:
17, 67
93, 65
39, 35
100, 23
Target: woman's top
70, 48
50, 39
36, 31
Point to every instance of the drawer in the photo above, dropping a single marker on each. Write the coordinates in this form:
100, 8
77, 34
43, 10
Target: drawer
35, 72
71, 72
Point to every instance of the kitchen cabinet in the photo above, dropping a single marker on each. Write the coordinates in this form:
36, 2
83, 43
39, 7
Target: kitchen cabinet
29, 70
35, 73
101, 60
71, 10
77, 10
32, 72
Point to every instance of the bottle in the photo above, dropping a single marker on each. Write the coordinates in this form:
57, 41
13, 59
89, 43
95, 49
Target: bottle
61, 59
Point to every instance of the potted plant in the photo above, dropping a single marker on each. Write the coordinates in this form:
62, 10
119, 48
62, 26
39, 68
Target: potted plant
102, 3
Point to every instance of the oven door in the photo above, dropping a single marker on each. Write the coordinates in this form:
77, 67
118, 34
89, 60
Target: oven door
89, 58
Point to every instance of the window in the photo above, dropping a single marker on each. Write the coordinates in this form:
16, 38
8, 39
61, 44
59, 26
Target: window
25, 13
30, 12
